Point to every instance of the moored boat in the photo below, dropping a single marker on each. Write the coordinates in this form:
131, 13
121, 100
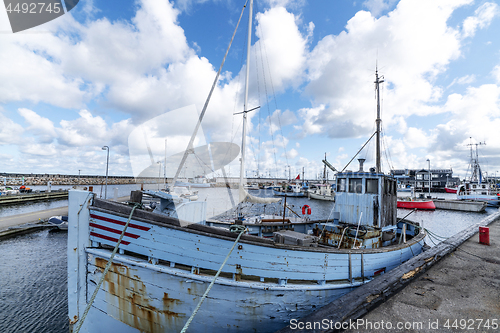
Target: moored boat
475, 188
415, 203
131, 270
59, 221
322, 192
159, 266
448, 189
290, 190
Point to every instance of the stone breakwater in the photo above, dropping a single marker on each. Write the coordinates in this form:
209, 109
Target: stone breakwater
32, 180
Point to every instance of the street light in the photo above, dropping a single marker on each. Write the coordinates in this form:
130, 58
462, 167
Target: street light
159, 172
107, 167
430, 176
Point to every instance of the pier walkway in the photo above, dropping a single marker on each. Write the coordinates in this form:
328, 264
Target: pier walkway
452, 287
460, 293
33, 217
17, 224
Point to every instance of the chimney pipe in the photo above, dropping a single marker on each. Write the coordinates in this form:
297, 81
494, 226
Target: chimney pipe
361, 161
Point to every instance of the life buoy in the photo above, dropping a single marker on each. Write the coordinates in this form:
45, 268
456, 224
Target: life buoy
304, 210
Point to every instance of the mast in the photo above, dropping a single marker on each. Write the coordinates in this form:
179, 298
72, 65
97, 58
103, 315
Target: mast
378, 120
245, 106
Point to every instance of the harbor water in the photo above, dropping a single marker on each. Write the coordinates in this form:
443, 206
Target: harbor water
33, 286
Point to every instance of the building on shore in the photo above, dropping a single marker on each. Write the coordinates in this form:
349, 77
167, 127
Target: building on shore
420, 179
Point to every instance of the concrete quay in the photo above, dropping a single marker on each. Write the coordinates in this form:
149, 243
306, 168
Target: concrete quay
461, 205
31, 197
22, 223
452, 287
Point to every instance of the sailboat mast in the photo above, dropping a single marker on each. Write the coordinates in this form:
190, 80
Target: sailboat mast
377, 89
245, 106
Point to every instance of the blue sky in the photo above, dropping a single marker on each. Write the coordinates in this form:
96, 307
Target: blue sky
91, 77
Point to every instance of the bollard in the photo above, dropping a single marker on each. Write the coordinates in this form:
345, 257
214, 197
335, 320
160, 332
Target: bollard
484, 235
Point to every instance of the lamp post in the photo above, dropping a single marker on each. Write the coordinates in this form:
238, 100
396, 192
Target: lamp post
159, 173
107, 167
430, 176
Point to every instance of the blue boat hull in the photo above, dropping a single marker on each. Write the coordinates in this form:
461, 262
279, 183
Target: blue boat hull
162, 270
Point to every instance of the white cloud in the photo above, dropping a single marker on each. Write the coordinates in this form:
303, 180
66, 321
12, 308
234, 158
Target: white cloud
411, 54
481, 19
496, 73
378, 6
144, 67
416, 138
283, 44
310, 123
10, 132
39, 149
280, 119
40, 126
292, 153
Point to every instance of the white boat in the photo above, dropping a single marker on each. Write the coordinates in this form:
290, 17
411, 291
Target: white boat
322, 192
474, 188
185, 192
476, 191
253, 186
197, 182
290, 190
59, 221
404, 188
130, 270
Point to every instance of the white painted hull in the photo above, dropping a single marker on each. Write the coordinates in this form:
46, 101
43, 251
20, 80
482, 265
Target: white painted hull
157, 281
322, 197
491, 200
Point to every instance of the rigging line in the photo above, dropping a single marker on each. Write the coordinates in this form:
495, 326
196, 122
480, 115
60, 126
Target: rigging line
358, 151
202, 163
202, 114
268, 108
387, 153
263, 67
276, 106
260, 103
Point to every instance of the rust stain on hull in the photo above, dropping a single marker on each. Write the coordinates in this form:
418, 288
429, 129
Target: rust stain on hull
134, 303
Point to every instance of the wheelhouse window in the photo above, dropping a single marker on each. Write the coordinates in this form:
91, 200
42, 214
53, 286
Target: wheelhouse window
390, 186
341, 185
372, 186
355, 185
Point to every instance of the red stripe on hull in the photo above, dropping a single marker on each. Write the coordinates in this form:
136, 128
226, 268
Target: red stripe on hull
423, 205
131, 225
119, 232
95, 234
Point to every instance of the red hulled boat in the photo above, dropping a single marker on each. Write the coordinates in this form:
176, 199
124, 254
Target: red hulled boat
450, 189
411, 203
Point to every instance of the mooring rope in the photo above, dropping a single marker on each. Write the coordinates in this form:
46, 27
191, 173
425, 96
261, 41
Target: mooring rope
108, 265
233, 228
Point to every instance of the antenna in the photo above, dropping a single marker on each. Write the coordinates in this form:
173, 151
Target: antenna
378, 80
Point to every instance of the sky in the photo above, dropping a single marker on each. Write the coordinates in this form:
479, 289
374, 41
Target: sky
135, 75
